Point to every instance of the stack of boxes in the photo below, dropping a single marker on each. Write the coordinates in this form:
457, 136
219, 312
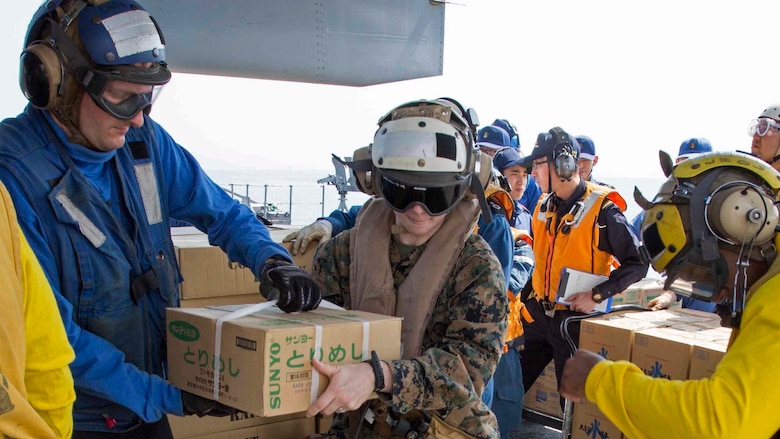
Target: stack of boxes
671, 344
210, 279
543, 396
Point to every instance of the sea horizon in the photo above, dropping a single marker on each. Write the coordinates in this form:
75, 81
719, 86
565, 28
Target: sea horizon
308, 202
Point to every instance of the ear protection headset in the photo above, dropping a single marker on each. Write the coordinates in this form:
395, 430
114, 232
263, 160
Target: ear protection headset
44, 64
725, 198
564, 155
53, 61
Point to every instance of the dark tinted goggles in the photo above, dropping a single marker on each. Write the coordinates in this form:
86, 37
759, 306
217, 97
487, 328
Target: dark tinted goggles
436, 200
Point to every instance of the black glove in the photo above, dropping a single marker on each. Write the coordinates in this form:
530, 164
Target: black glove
198, 405
292, 286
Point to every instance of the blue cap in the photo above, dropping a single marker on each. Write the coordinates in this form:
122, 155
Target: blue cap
493, 137
587, 148
693, 146
514, 139
545, 145
507, 157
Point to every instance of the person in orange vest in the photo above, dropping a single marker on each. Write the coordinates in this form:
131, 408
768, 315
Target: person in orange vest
577, 225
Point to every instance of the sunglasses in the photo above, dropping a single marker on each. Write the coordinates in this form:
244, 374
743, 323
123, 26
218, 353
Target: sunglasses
762, 126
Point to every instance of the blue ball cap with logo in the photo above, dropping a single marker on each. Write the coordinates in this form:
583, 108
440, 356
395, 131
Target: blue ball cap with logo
693, 146
514, 139
493, 137
506, 158
545, 145
587, 148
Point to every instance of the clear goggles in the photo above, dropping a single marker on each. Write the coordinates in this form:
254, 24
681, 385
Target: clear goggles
436, 200
129, 107
762, 126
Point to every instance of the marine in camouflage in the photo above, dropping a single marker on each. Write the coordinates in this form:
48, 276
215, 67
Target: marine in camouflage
463, 340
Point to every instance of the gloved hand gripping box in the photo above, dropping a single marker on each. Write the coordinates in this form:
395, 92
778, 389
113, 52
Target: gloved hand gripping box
264, 357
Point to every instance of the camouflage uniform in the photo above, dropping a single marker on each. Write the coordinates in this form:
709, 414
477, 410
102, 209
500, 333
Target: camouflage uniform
462, 342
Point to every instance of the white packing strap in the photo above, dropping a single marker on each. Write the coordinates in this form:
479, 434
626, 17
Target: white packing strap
365, 354
237, 314
257, 307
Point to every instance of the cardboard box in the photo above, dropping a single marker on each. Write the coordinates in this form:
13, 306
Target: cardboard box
292, 429
206, 270
669, 317
241, 299
543, 395
705, 358
662, 353
303, 260
547, 401
589, 422
265, 365
184, 427
612, 338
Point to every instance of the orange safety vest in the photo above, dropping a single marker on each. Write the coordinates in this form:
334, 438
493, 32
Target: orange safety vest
572, 241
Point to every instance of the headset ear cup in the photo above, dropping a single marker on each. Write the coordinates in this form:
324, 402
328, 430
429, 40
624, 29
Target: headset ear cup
565, 166
744, 214
41, 75
364, 180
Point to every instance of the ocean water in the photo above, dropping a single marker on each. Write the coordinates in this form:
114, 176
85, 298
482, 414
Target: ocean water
309, 200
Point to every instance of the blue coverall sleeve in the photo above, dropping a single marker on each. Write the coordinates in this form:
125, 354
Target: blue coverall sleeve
499, 237
99, 367
196, 199
342, 221
522, 267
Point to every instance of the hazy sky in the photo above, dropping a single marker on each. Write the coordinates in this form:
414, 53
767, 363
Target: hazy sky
636, 77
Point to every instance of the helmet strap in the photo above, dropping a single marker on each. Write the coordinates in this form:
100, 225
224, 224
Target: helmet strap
479, 192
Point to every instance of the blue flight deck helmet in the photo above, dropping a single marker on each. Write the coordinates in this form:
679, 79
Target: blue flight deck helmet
74, 46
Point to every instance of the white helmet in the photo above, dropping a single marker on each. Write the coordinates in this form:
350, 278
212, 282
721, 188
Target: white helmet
772, 112
423, 152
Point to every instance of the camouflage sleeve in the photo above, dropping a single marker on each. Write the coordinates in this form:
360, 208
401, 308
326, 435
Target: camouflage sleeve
463, 342
330, 268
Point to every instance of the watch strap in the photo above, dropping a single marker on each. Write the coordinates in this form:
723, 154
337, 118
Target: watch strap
379, 376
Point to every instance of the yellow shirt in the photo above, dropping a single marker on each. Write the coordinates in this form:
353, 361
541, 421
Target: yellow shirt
36, 386
740, 400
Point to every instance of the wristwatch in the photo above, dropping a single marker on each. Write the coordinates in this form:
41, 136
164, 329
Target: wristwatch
379, 376
596, 295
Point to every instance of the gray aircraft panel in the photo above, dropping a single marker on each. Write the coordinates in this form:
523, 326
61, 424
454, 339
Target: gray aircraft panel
342, 42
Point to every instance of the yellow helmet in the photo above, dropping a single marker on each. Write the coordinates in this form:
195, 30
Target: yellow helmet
710, 202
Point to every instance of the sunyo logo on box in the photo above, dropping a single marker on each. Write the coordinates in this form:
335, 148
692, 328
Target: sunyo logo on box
184, 331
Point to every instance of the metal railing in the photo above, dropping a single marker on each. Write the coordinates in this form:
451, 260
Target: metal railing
300, 204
